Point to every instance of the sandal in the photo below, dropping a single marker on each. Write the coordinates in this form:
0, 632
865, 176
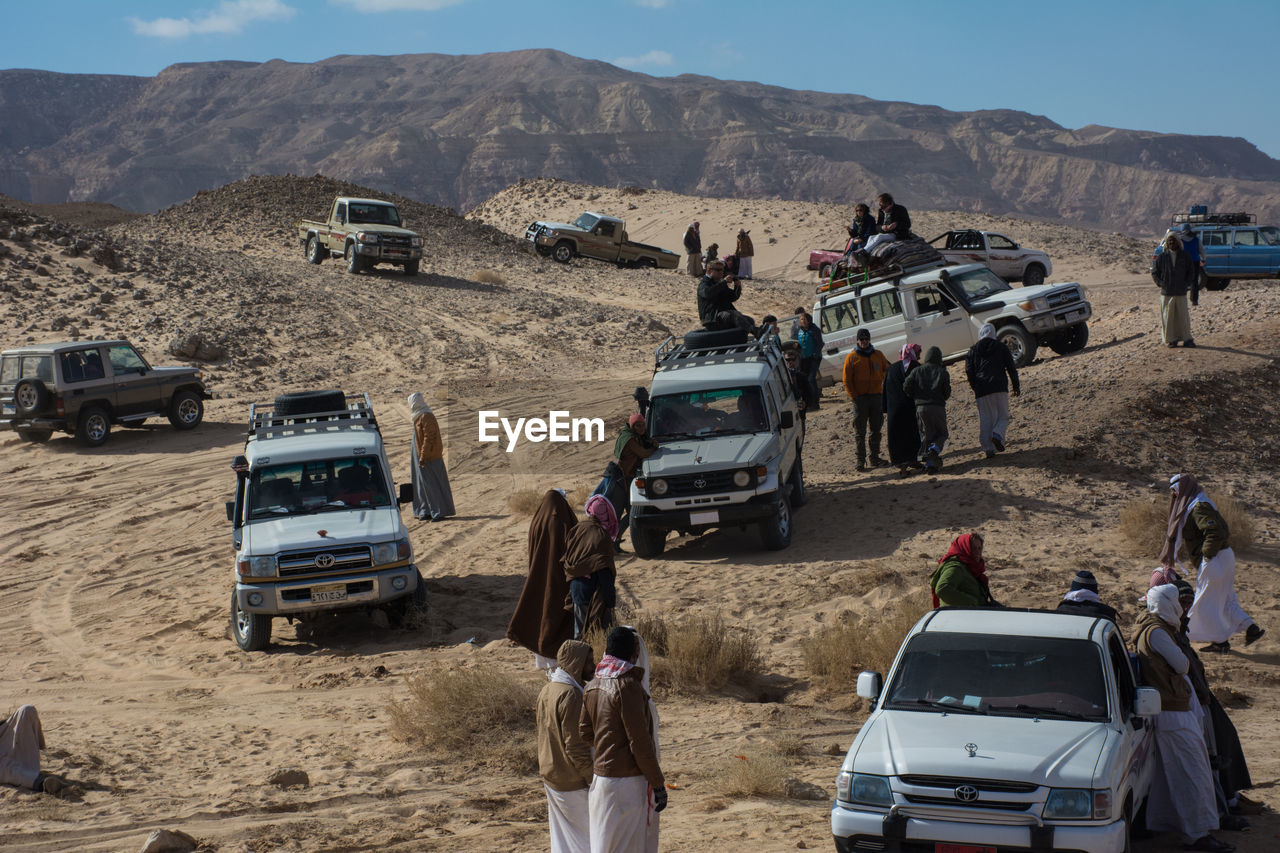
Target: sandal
1210, 844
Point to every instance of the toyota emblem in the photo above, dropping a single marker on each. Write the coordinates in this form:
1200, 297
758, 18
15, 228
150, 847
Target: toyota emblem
971, 748
699, 483
324, 561
966, 793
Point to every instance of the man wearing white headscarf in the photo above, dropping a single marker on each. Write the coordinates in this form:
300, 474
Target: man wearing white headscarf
990, 368
564, 758
1194, 519
1182, 798
21, 740
432, 497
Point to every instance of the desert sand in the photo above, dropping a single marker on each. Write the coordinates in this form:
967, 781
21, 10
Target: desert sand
119, 560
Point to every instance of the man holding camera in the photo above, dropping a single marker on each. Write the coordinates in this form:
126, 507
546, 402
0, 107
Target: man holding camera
716, 295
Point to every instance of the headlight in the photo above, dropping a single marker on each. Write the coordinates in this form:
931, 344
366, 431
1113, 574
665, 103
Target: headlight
869, 790
415, 242
659, 487
741, 479
1077, 804
552, 233
366, 237
390, 552
1040, 304
257, 567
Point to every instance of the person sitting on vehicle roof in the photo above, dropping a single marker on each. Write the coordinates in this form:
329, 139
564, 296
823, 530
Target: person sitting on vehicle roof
716, 298
862, 229
893, 221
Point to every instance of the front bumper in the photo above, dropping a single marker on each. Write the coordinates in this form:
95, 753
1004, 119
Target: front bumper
1057, 319
904, 830
388, 254
706, 513
362, 589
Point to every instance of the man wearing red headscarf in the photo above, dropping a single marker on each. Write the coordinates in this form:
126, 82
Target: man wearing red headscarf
961, 577
589, 567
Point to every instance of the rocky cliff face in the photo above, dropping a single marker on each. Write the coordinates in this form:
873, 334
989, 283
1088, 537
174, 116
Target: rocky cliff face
454, 130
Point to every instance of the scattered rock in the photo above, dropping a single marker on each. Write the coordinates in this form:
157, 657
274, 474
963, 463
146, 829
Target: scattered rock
796, 789
197, 345
289, 777
168, 841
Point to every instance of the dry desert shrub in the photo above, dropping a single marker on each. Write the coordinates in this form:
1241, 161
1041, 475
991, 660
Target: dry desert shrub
836, 654
479, 711
694, 653
525, 501
1144, 521
752, 774
487, 276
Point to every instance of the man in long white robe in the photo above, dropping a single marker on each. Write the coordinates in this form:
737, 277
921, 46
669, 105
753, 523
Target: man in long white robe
21, 740
564, 758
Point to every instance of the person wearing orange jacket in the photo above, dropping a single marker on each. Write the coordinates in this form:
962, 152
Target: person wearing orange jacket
864, 371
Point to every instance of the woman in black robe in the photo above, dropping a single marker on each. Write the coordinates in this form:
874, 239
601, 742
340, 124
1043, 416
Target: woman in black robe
900, 411
541, 621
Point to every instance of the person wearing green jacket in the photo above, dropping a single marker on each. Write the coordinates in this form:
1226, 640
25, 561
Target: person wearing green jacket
929, 385
961, 577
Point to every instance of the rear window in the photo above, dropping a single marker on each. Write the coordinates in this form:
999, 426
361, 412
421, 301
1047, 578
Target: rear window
36, 367
9, 369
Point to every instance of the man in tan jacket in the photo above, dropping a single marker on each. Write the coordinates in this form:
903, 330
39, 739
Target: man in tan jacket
618, 721
564, 758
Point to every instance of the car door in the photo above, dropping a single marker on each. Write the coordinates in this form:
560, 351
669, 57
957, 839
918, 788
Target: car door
603, 241
1003, 257
882, 317
1250, 255
138, 388
1136, 733
85, 378
935, 320
1215, 248
838, 321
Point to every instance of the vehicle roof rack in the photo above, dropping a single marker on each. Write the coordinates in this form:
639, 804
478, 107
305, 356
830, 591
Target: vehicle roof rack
1214, 218
673, 353
858, 281
265, 423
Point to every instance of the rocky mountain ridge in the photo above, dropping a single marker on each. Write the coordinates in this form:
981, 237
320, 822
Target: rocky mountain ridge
456, 129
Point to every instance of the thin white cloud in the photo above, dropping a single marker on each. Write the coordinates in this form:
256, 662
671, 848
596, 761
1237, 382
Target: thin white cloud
653, 4
229, 18
659, 58
398, 5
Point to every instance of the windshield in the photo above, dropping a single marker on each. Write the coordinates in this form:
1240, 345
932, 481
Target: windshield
300, 488
979, 284
701, 413
1000, 675
586, 222
374, 214
1269, 236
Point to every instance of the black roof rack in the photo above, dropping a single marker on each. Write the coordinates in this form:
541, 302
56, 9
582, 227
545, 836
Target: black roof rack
674, 353
1214, 218
265, 423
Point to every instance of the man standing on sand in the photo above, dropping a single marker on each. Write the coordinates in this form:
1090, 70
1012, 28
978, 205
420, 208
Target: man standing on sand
693, 247
989, 367
745, 252
930, 386
1175, 275
617, 720
865, 368
564, 758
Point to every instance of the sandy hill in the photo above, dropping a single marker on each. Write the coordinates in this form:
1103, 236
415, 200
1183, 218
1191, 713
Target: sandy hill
120, 560
456, 129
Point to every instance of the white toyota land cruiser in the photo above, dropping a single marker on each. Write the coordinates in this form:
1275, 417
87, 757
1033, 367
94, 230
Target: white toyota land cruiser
314, 522
999, 730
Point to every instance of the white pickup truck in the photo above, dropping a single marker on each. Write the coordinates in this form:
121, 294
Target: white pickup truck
999, 730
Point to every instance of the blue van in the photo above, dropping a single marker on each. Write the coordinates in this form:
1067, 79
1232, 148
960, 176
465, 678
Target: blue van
1233, 246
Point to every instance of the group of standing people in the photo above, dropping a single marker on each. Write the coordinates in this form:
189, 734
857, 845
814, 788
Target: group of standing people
1201, 767
738, 264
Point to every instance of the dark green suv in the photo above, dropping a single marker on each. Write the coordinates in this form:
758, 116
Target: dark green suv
84, 387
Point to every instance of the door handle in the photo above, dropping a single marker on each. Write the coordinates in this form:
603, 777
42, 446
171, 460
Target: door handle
833, 350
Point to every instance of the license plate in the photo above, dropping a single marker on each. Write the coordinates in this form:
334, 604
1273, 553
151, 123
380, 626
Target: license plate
709, 517
963, 848
10, 409
329, 592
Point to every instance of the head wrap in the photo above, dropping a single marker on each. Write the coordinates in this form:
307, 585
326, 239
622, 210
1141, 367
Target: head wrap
987, 331
1185, 590
635, 420
1163, 602
1163, 575
1084, 579
599, 508
572, 660
933, 355
695, 225
1186, 492
910, 354
962, 548
418, 405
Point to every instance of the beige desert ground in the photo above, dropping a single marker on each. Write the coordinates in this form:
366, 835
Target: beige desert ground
118, 561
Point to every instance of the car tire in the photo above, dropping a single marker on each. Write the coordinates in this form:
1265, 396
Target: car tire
411, 267
355, 263
647, 542
775, 532
309, 402
1019, 343
35, 436
1072, 340
1215, 284
563, 252
824, 271
186, 410
31, 397
251, 631
94, 427
703, 338
1033, 275
398, 611
799, 497
314, 255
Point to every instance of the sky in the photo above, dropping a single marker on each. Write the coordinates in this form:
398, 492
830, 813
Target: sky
1173, 66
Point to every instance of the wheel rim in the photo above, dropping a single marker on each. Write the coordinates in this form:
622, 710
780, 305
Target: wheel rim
242, 621
1014, 345
188, 410
27, 397
95, 427
562, 254
311, 249
784, 519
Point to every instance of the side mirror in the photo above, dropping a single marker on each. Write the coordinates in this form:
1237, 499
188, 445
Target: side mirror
1147, 703
788, 420
406, 494
231, 510
869, 685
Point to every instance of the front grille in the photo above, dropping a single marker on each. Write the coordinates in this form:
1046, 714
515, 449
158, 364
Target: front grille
1065, 297
952, 802
345, 559
532, 231
995, 786
396, 240
700, 484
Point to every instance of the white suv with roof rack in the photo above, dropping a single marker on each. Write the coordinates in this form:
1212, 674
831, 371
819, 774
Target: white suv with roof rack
316, 521
726, 419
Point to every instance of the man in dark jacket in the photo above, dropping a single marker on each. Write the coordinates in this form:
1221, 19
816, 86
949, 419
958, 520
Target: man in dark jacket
990, 368
929, 385
1176, 275
893, 222
1082, 599
715, 300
